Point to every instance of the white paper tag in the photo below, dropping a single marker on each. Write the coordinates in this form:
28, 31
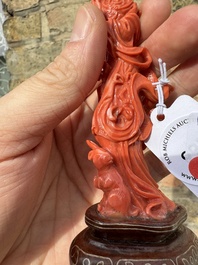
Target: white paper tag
174, 140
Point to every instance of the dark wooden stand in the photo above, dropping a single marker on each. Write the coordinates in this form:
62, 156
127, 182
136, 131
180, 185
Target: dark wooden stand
135, 241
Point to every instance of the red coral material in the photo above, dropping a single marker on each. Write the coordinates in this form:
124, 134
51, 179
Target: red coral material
121, 120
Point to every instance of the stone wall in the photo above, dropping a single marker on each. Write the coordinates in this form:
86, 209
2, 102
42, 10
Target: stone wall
36, 31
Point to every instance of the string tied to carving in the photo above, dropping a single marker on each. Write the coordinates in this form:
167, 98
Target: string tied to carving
163, 80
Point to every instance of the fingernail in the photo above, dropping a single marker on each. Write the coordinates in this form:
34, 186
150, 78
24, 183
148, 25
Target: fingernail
83, 23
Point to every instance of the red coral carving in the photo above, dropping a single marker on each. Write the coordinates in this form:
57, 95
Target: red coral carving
121, 120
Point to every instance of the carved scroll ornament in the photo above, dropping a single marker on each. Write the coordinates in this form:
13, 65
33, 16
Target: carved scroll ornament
121, 120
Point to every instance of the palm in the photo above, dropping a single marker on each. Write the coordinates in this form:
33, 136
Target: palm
46, 179
54, 206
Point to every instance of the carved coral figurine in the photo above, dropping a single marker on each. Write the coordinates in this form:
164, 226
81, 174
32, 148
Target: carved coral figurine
121, 120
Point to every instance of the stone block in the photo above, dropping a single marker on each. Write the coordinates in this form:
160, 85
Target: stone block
23, 28
19, 5
64, 2
61, 19
177, 4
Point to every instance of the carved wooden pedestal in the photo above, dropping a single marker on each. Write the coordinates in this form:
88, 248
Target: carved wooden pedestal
135, 241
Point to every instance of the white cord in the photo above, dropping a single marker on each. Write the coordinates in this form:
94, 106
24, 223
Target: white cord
163, 80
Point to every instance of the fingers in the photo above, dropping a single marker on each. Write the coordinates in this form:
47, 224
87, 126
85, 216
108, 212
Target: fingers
184, 79
176, 40
41, 102
153, 14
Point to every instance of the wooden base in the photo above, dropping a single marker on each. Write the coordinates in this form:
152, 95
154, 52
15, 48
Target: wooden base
134, 241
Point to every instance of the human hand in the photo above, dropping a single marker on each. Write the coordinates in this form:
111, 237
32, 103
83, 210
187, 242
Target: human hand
46, 179
174, 39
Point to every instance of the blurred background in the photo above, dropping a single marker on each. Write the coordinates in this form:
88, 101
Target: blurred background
35, 32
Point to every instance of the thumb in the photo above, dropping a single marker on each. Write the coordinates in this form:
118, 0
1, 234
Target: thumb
37, 105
